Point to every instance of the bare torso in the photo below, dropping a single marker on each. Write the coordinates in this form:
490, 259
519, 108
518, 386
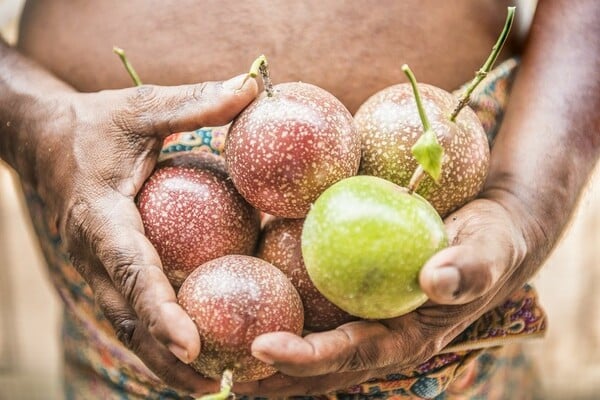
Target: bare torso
351, 48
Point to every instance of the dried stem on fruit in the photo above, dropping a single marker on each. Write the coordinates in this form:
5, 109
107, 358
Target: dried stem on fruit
260, 66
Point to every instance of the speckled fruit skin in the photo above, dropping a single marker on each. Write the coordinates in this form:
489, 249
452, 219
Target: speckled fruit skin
389, 125
364, 242
232, 300
192, 213
279, 245
283, 151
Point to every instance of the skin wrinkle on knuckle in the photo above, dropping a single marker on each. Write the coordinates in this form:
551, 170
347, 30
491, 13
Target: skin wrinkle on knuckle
138, 117
199, 92
348, 359
124, 329
206, 103
361, 356
126, 277
355, 361
79, 227
79, 265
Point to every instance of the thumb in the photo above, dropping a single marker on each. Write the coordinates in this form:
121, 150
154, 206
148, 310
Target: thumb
460, 274
487, 245
162, 110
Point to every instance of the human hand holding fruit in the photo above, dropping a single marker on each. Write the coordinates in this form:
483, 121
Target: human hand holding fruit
463, 281
363, 350
87, 155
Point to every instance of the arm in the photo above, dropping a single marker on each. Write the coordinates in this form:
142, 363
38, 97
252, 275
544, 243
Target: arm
87, 155
548, 145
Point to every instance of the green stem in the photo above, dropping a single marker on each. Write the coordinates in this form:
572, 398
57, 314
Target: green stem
419, 173
413, 82
260, 66
130, 70
225, 392
487, 67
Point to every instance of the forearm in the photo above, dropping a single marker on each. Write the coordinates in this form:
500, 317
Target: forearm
550, 138
30, 100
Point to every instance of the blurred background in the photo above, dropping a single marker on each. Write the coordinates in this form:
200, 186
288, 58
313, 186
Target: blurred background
568, 358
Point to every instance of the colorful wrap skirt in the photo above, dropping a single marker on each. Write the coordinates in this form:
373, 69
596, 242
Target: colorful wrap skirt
482, 362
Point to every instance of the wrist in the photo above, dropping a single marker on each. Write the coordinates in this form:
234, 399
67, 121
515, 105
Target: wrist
32, 102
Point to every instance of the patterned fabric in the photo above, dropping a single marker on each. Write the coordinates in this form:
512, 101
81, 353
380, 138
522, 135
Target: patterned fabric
489, 99
210, 140
99, 366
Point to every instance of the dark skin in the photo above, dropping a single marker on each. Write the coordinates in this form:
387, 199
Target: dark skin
548, 145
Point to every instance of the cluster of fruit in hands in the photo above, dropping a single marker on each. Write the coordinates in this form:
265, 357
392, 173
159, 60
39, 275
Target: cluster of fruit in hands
353, 206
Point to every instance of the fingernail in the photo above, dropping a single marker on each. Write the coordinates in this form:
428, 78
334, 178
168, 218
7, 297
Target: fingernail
446, 281
180, 353
263, 357
237, 83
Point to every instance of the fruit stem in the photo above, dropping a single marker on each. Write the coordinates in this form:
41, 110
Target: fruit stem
225, 392
130, 70
486, 68
416, 179
413, 82
260, 66
426, 150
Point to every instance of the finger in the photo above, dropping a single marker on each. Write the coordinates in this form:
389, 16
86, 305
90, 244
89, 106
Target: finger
162, 110
485, 247
113, 230
136, 337
356, 346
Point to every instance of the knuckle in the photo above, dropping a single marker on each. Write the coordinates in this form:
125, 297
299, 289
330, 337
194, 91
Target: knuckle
73, 222
208, 102
144, 97
78, 227
123, 320
127, 277
199, 92
138, 116
359, 360
78, 263
83, 229
125, 328
360, 357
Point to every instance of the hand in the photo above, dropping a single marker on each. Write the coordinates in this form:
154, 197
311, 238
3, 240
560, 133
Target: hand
88, 163
489, 258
